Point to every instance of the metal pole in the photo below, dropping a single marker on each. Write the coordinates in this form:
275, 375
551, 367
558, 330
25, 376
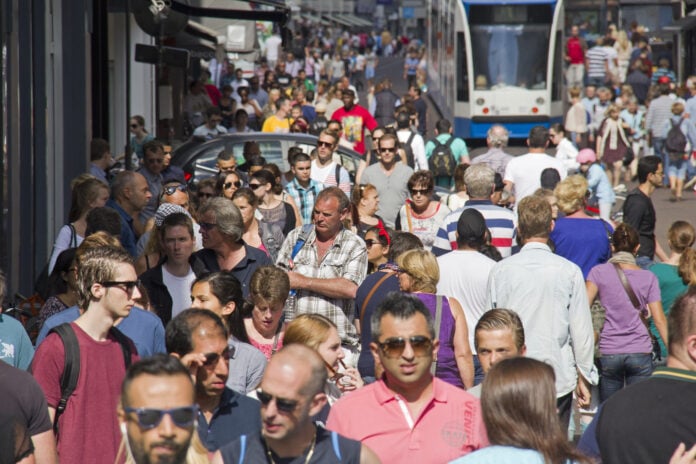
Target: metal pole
127, 152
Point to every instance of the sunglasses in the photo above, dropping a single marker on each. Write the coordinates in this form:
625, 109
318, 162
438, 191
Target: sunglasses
254, 186
321, 143
211, 359
205, 195
173, 188
283, 405
151, 418
394, 347
419, 192
228, 185
126, 285
370, 241
207, 225
388, 150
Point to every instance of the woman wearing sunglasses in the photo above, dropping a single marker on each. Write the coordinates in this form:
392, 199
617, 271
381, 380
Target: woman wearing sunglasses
421, 215
259, 234
227, 184
419, 274
221, 293
273, 210
320, 334
268, 290
518, 403
136, 125
377, 240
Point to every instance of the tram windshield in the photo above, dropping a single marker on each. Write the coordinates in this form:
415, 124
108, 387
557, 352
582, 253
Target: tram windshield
510, 45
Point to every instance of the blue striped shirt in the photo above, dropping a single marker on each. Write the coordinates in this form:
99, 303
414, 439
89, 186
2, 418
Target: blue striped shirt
304, 197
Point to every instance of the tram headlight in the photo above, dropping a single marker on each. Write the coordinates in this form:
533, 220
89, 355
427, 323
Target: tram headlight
480, 101
540, 101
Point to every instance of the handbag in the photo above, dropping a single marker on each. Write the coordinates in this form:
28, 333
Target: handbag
629, 156
656, 351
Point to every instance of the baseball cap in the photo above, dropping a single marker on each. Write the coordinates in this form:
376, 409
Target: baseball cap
664, 80
165, 209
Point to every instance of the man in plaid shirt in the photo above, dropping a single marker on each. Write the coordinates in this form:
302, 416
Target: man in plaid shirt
303, 188
328, 268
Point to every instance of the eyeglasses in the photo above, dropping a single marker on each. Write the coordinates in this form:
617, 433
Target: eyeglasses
322, 143
205, 195
394, 347
370, 241
254, 186
207, 225
173, 188
151, 418
388, 150
228, 185
415, 192
211, 359
283, 404
126, 285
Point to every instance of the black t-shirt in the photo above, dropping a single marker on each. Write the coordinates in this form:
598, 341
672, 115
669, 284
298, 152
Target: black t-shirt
23, 399
645, 422
639, 213
15, 441
328, 450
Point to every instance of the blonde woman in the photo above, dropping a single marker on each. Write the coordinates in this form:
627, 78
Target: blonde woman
612, 143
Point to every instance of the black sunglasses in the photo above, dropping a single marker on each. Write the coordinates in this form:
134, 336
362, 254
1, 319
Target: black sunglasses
207, 225
321, 143
173, 188
419, 191
211, 359
228, 185
135, 126
283, 405
151, 418
370, 241
254, 186
127, 285
394, 347
393, 149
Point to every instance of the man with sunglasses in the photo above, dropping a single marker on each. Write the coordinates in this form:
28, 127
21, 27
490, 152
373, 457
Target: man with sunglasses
153, 165
157, 411
198, 337
413, 416
291, 394
390, 177
88, 426
324, 168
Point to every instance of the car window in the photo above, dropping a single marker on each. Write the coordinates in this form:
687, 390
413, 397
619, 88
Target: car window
271, 150
205, 164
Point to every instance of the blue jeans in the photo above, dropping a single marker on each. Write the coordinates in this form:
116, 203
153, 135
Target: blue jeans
644, 262
659, 146
618, 370
478, 371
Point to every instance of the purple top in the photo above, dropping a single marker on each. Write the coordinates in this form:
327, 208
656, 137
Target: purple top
623, 331
446, 369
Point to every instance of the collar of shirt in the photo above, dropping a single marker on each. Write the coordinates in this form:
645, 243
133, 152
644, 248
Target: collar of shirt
477, 202
673, 373
384, 394
536, 246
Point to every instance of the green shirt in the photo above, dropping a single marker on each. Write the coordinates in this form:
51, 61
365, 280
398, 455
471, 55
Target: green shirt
671, 286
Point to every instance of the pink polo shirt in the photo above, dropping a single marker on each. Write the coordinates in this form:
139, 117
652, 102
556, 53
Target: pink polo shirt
450, 426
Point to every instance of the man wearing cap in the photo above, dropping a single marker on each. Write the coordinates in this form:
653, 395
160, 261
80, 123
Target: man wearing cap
354, 119
169, 283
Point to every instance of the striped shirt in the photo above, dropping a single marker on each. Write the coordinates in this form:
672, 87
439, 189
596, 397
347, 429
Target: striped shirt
500, 221
596, 62
659, 111
304, 197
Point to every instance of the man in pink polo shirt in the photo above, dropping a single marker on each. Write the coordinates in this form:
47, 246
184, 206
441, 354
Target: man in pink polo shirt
408, 415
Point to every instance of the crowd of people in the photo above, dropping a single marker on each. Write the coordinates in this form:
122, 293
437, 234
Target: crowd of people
433, 308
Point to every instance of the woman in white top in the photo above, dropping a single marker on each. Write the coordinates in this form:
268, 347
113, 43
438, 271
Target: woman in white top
565, 151
421, 215
88, 193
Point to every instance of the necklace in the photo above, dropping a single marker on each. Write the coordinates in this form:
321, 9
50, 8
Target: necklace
309, 454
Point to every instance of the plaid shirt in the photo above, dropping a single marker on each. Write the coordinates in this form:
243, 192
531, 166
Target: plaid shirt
304, 197
347, 259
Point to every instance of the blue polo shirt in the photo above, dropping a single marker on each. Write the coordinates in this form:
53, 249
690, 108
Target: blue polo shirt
127, 232
143, 327
235, 416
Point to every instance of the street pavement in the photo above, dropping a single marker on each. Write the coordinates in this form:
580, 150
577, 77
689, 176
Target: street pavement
667, 212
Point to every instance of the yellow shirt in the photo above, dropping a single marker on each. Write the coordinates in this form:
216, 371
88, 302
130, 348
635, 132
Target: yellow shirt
274, 124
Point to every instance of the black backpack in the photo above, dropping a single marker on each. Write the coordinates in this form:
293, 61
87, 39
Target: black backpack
410, 159
71, 369
675, 143
442, 162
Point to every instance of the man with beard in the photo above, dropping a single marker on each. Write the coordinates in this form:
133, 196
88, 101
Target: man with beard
157, 410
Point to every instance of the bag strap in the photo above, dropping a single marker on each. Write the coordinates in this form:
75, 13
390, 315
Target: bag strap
73, 236
335, 444
438, 321
363, 307
125, 345
338, 174
71, 368
410, 138
449, 142
301, 240
627, 286
242, 448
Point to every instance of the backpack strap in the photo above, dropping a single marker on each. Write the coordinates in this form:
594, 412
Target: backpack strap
338, 174
242, 448
449, 142
336, 448
301, 239
73, 236
369, 295
410, 138
71, 368
125, 345
438, 322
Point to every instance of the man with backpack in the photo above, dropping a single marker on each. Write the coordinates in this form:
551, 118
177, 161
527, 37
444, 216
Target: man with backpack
411, 141
444, 153
80, 366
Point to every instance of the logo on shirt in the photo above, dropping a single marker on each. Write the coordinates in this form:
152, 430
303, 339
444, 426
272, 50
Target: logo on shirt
8, 350
453, 434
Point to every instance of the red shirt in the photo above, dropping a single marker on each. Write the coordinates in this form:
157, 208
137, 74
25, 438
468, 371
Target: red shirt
88, 428
448, 427
574, 51
354, 123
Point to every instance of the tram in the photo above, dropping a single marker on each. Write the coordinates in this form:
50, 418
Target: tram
496, 62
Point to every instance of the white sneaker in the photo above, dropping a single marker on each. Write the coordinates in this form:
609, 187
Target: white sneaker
621, 188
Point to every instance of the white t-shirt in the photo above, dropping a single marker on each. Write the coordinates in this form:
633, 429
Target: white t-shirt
525, 173
464, 276
272, 47
179, 289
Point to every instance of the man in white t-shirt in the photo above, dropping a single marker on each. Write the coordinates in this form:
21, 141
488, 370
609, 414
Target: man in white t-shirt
169, 283
523, 173
272, 49
324, 169
464, 274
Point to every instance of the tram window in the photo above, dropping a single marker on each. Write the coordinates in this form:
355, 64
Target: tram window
462, 75
511, 14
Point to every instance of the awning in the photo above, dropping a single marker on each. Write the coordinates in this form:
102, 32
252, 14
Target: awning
685, 23
348, 20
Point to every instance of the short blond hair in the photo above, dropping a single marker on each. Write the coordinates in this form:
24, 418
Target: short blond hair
570, 193
677, 108
422, 266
